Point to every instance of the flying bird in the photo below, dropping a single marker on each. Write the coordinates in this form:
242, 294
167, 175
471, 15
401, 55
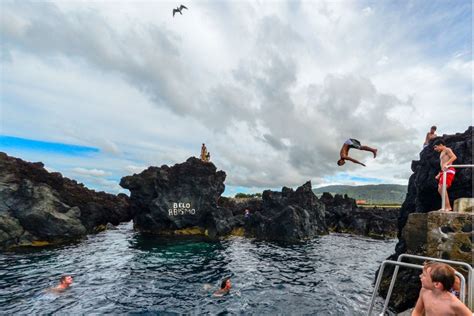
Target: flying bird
178, 9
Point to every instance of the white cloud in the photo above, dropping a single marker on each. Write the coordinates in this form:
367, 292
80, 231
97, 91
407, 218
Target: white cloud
90, 172
135, 169
273, 88
368, 11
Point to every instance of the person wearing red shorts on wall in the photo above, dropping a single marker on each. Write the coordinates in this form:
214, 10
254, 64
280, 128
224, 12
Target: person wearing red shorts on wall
446, 158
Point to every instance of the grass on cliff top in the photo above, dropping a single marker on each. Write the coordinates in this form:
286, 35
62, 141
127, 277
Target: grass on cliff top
379, 205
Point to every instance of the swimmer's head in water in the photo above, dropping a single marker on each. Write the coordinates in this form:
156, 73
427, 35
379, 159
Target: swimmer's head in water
66, 280
226, 284
340, 162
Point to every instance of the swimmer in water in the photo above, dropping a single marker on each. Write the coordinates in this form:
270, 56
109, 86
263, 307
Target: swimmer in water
225, 288
64, 283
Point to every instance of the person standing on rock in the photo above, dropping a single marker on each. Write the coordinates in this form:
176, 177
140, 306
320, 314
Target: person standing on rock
446, 158
430, 135
205, 156
353, 143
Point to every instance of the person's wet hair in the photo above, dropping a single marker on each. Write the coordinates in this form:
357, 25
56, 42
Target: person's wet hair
63, 278
433, 127
223, 284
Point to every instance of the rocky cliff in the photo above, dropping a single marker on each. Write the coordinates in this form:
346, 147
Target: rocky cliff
289, 215
40, 208
179, 199
417, 235
183, 199
343, 216
422, 195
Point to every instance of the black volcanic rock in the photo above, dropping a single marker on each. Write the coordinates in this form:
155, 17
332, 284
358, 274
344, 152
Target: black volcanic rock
343, 216
423, 197
288, 216
185, 199
183, 196
238, 205
39, 208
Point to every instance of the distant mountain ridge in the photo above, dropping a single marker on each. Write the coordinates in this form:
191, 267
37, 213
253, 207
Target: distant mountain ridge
373, 193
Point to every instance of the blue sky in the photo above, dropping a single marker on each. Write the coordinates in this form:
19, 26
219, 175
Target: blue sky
101, 90
8, 143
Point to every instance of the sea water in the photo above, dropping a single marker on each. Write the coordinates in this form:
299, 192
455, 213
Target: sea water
122, 272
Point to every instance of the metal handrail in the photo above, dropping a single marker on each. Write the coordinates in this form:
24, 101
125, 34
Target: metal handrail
443, 192
405, 255
408, 265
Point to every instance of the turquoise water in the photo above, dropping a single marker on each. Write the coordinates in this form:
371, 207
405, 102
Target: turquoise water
119, 271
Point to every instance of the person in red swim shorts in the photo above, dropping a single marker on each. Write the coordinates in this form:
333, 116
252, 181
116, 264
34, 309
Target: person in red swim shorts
446, 158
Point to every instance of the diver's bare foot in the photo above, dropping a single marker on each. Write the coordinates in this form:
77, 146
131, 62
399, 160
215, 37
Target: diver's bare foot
375, 153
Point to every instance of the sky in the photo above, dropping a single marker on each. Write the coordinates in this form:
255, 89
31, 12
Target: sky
101, 90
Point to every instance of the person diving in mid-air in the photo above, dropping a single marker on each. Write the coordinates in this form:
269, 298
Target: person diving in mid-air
353, 143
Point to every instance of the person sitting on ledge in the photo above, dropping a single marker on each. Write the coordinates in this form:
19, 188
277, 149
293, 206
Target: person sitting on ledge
64, 283
430, 135
435, 298
446, 158
225, 288
353, 143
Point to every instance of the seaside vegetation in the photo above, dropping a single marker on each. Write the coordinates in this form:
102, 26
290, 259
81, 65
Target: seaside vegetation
247, 196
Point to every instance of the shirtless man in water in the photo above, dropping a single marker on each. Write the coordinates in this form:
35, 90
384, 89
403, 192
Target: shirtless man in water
435, 298
64, 282
353, 143
446, 158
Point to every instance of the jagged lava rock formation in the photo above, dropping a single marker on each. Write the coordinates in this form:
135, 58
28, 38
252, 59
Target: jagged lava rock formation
182, 199
179, 200
423, 197
289, 215
39, 208
343, 216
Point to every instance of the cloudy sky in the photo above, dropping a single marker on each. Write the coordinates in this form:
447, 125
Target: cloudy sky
100, 90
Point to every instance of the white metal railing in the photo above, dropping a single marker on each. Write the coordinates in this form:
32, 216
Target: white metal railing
398, 263
443, 192
463, 264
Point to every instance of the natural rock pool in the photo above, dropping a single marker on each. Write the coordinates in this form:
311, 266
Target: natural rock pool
120, 271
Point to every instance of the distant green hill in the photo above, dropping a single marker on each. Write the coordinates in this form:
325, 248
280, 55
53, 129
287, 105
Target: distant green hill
373, 194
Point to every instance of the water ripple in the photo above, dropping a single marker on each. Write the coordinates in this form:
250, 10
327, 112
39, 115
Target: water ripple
120, 271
